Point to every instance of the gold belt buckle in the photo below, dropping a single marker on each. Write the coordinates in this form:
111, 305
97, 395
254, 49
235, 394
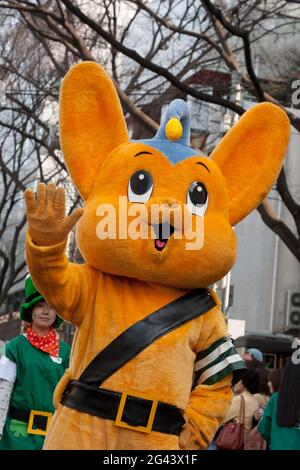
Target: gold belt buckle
122, 424
34, 413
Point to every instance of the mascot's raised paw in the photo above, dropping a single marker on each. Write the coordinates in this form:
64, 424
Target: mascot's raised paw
46, 218
151, 343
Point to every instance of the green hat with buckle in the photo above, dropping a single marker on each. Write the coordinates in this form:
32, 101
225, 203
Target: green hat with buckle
32, 298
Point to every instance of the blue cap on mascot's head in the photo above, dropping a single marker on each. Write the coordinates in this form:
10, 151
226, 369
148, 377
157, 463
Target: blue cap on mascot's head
173, 135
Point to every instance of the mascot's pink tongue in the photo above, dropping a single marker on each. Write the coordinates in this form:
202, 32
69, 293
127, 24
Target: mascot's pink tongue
160, 243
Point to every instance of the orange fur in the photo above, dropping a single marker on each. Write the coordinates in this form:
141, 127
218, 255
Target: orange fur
124, 280
250, 156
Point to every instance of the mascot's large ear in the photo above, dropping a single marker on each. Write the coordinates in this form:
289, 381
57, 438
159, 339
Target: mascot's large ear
91, 122
250, 156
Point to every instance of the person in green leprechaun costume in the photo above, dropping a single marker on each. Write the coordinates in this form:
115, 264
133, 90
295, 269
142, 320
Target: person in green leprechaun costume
41, 359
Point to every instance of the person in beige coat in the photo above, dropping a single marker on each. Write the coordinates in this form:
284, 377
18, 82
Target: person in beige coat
246, 387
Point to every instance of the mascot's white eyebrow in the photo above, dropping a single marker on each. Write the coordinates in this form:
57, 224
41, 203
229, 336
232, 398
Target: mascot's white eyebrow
142, 153
200, 163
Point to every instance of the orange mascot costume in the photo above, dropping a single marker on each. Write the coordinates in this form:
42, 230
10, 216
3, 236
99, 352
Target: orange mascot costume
151, 364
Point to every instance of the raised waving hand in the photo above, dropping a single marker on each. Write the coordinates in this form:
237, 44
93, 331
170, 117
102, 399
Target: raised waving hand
46, 214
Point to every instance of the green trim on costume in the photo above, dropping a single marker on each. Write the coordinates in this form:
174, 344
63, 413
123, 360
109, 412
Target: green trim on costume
217, 361
231, 368
206, 352
230, 352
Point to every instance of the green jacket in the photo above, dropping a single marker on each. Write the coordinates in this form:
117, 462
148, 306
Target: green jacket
37, 377
277, 437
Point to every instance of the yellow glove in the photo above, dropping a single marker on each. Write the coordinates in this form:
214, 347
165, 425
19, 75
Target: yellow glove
46, 218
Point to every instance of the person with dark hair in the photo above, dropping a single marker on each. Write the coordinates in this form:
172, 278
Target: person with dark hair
254, 441
41, 359
280, 424
274, 380
246, 387
263, 395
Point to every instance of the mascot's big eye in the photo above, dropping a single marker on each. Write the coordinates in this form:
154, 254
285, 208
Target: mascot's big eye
197, 198
140, 186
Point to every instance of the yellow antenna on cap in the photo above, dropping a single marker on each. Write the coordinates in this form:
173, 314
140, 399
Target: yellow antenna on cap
173, 129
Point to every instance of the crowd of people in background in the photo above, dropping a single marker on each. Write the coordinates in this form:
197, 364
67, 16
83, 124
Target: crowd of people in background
266, 401
271, 401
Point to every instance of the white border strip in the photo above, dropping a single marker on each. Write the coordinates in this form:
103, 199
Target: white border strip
218, 367
213, 355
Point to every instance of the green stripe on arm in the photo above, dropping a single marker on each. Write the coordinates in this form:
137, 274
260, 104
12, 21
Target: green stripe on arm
230, 369
220, 358
206, 352
216, 362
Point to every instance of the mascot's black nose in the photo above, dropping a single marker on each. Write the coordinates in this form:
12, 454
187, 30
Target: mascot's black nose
163, 231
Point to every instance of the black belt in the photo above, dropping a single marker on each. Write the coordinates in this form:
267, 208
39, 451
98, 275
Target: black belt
133, 411
40, 420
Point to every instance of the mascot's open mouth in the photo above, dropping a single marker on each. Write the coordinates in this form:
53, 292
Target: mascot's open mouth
162, 232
